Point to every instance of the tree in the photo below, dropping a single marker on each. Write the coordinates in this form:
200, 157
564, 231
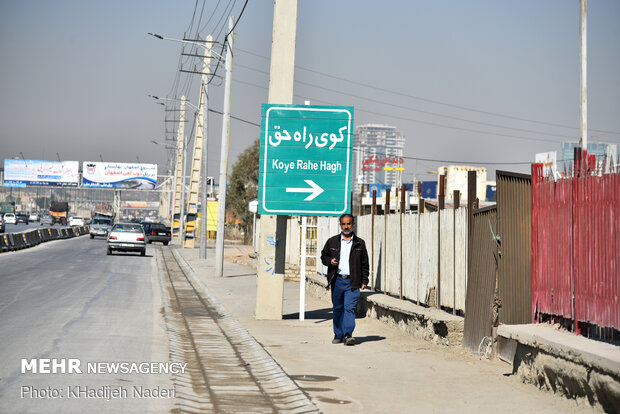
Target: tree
244, 184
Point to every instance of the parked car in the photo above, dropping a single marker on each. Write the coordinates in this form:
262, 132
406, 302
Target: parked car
127, 237
100, 226
157, 232
21, 218
34, 216
76, 221
46, 219
9, 218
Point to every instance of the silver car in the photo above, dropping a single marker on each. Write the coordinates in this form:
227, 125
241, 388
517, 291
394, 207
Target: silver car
100, 226
127, 237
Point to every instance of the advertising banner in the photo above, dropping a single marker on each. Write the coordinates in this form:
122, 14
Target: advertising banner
22, 173
549, 162
119, 175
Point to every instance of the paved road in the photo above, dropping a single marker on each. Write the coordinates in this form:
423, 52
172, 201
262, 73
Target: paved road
67, 299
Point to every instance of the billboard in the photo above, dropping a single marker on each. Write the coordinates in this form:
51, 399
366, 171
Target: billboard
119, 175
22, 173
549, 162
378, 162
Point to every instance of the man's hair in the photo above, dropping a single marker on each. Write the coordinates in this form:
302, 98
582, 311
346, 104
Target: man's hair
346, 215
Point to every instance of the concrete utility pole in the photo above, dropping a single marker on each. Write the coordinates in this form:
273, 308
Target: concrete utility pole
180, 185
206, 70
584, 75
199, 161
272, 238
221, 206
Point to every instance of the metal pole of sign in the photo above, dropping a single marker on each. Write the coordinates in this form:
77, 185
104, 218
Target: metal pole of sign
302, 270
302, 267
254, 232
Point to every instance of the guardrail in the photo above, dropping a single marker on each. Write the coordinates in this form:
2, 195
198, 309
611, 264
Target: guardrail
11, 242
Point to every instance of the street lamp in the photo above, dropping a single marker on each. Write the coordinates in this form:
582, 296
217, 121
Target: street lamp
196, 42
207, 45
182, 142
188, 103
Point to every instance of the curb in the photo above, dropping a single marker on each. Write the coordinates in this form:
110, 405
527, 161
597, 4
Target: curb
429, 324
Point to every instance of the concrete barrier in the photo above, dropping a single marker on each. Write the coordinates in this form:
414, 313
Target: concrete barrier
16, 241
4, 243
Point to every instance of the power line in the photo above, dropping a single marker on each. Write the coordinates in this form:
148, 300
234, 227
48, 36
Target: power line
429, 100
411, 109
358, 109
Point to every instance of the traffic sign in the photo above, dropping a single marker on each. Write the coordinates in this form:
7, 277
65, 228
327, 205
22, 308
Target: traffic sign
305, 160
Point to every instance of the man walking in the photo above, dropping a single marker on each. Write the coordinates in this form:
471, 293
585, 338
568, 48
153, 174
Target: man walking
346, 258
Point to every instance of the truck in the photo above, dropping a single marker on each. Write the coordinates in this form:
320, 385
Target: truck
7, 207
59, 210
103, 209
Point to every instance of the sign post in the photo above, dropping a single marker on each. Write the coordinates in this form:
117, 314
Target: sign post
304, 166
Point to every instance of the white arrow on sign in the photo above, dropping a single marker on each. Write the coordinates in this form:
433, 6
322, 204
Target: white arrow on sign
315, 190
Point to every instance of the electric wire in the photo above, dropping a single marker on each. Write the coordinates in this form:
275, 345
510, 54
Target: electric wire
429, 100
358, 109
411, 109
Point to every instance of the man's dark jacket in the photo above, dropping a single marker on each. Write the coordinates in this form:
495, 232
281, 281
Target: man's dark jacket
358, 261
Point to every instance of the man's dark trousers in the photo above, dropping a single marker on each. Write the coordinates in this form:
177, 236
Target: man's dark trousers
345, 301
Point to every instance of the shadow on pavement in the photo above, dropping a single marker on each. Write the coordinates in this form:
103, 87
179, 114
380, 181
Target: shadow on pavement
323, 314
242, 275
369, 338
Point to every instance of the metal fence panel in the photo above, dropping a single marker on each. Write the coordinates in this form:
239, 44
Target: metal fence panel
428, 257
410, 256
392, 254
481, 279
514, 218
446, 255
293, 241
378, 261
461, 258
552, 244
585, 241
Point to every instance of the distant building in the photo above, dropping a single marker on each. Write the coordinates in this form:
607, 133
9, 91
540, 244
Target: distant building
602, 151
456, 179
376, 146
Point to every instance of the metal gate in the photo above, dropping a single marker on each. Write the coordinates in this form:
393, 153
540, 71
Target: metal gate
514, 221
481, 278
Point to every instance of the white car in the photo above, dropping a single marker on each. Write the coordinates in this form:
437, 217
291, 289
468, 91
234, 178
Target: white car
9, 218
33, 216
127, 237
76, 221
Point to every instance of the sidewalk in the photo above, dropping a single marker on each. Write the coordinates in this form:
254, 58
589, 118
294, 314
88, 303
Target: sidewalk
386, 371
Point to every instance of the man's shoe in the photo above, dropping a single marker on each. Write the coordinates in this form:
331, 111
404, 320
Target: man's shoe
336, 340
349, 340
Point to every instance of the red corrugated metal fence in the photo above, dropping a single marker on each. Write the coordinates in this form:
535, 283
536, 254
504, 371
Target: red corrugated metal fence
576, 246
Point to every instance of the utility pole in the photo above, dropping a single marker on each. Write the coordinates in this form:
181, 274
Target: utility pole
272, 239
198, 160
206, 70
221, 206
584, 75
179, 192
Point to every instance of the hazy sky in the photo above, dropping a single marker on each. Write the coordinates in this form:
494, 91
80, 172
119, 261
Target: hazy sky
491, 81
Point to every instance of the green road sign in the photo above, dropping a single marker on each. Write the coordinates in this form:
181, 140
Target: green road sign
305, 160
